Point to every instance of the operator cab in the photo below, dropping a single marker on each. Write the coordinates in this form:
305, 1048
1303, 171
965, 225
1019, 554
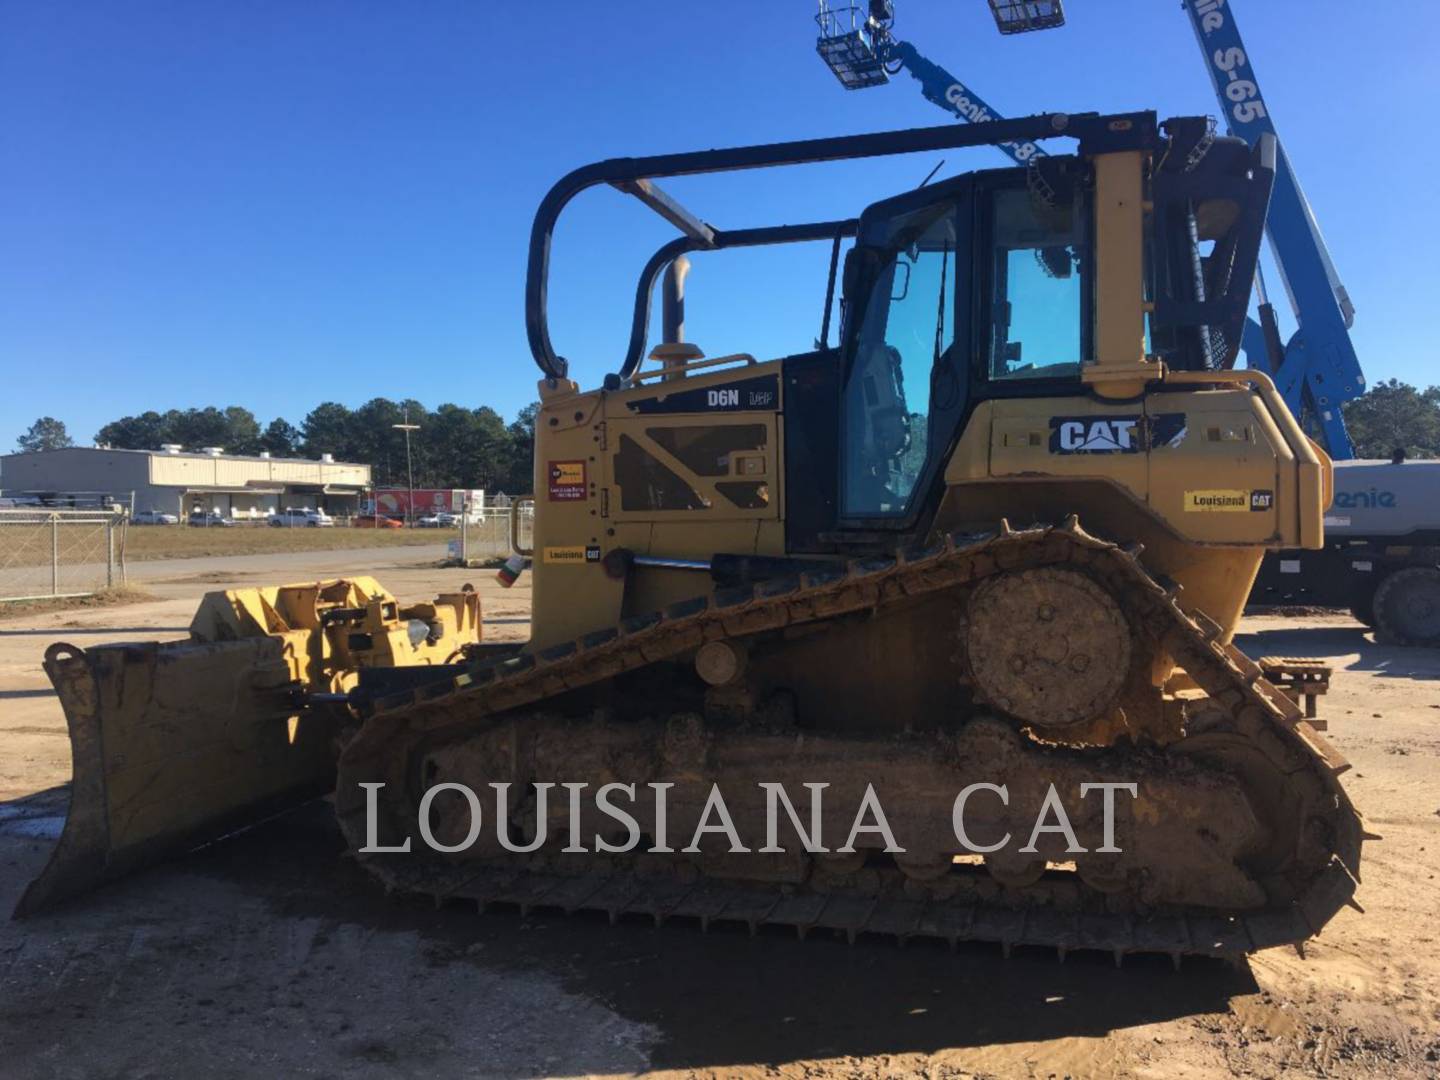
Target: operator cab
981, 287
984, 287
917, 343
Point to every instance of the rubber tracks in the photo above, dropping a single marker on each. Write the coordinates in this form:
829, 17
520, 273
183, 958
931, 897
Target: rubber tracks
1265, 718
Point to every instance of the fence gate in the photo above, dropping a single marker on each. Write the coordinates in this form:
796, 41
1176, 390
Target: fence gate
485, 534
47, 553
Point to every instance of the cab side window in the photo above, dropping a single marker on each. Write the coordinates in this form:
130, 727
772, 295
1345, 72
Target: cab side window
1037, 271
907, 327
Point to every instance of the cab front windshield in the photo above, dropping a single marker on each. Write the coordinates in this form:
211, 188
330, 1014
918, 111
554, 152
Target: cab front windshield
907, 327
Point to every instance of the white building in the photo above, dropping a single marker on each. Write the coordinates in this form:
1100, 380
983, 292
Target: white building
181, 482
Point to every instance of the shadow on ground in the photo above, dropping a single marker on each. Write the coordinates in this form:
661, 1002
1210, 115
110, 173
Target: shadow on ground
716, 1000
1328, 641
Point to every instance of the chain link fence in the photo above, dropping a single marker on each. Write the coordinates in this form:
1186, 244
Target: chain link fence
47, 553
485, 534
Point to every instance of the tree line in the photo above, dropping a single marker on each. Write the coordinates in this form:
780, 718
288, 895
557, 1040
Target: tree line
475, 448
451, 447
1394, 416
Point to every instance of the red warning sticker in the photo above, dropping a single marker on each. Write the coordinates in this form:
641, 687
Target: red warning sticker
567, 480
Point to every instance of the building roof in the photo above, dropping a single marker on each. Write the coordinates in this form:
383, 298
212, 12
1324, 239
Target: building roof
181, 454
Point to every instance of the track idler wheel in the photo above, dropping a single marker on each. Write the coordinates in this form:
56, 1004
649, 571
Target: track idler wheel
1049, 646
1102, 874
1014, 869
1276, 799
923, 867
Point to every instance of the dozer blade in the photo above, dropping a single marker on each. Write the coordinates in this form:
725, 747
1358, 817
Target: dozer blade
176, 744
173, 745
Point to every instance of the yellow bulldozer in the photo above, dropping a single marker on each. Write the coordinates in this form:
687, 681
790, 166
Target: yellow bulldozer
987, 552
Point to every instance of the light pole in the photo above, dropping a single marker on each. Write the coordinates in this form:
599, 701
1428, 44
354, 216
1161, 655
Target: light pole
408, 427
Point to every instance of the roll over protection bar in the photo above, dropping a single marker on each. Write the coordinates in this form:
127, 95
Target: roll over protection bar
636, 176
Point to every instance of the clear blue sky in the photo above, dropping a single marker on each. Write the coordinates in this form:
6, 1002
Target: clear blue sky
272, 204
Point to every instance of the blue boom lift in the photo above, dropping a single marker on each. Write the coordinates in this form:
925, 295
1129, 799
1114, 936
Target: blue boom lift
1382, 557
1316, 369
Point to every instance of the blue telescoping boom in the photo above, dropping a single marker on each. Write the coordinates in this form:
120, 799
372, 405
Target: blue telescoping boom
1317, 370
857, 45
948, 92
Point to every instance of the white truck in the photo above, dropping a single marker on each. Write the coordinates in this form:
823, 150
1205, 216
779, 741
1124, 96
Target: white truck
1382, 553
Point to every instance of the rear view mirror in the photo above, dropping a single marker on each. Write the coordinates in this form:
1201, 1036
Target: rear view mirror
900, 283
850, 276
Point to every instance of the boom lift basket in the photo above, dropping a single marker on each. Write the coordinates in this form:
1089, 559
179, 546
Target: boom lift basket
850, 43
1014, 17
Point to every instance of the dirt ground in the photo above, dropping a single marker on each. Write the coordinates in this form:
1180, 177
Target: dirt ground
143, 542
271, 953
30, 545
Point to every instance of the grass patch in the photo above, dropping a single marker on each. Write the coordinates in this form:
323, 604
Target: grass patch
105, 598
148, 542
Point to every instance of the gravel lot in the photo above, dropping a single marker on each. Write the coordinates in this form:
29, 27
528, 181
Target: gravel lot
269, 952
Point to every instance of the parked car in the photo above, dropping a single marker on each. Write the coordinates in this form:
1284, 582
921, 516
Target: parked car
154, 517
304, 516
378, 521
440, 520
212, 519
